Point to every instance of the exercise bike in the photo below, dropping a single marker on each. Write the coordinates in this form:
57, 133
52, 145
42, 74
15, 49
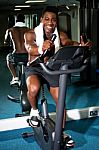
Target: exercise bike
20, 64
66, 61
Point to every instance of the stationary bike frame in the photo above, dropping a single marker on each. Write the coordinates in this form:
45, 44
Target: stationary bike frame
63, 73
22, 89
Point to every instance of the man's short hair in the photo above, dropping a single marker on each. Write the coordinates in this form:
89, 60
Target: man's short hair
52, 9
20, 18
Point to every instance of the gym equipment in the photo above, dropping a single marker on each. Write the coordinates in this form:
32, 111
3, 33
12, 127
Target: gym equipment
25, 105
66, 61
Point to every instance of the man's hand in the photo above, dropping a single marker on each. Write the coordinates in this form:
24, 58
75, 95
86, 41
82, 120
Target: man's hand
47, 45
89, 44
85, 43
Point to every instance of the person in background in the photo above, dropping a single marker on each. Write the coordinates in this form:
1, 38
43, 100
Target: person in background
37, 41
15, 37
66, 41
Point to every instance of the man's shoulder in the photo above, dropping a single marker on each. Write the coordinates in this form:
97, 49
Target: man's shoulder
30, 31
8, 31
30, 34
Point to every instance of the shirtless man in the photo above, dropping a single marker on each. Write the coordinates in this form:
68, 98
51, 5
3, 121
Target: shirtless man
16, 34
36, 42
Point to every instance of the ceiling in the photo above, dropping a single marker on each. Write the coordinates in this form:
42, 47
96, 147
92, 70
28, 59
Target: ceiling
9, 5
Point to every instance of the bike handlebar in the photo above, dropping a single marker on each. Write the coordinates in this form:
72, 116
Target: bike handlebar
60, 72
65, 62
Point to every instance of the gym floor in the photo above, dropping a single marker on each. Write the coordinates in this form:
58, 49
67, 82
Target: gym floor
84, 131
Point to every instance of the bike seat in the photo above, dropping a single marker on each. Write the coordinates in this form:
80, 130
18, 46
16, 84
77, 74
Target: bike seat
21, 63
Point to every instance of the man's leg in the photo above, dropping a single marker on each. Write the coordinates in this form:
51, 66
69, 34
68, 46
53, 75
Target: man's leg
12, 69
33, 86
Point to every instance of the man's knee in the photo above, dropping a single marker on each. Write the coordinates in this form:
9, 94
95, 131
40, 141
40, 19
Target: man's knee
33, 90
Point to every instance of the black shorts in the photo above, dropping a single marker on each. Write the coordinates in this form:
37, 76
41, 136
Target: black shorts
52, 81
17, 57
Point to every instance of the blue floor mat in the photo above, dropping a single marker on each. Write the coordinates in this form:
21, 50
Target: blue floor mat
84, 132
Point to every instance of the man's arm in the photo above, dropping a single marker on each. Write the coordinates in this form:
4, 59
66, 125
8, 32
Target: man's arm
7, 39
31, 46
65, 41
30, 43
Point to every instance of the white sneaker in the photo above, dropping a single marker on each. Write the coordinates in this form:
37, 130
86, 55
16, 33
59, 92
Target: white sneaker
34, 120
69, 143
14, 81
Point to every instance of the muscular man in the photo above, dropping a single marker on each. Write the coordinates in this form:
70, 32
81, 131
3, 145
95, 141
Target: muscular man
16, 34
36, 42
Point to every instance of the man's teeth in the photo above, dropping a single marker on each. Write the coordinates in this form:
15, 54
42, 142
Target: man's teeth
49, 27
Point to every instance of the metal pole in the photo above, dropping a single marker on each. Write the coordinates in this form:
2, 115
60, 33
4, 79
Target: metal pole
60, 111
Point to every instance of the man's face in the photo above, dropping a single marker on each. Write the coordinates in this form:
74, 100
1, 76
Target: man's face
49, 21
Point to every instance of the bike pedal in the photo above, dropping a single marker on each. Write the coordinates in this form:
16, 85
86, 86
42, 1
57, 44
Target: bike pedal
28, 121
67, 142
27, 134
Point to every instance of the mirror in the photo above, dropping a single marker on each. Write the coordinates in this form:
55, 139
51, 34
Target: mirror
9, 108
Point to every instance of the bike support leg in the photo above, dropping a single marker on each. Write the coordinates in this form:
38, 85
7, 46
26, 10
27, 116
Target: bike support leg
60, 111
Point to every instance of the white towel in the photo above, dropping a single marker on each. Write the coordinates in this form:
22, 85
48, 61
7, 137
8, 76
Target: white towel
19, 24
39, 37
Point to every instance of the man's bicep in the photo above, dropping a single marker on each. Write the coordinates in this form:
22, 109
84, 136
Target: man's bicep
7, 39
29, 37
30, 43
